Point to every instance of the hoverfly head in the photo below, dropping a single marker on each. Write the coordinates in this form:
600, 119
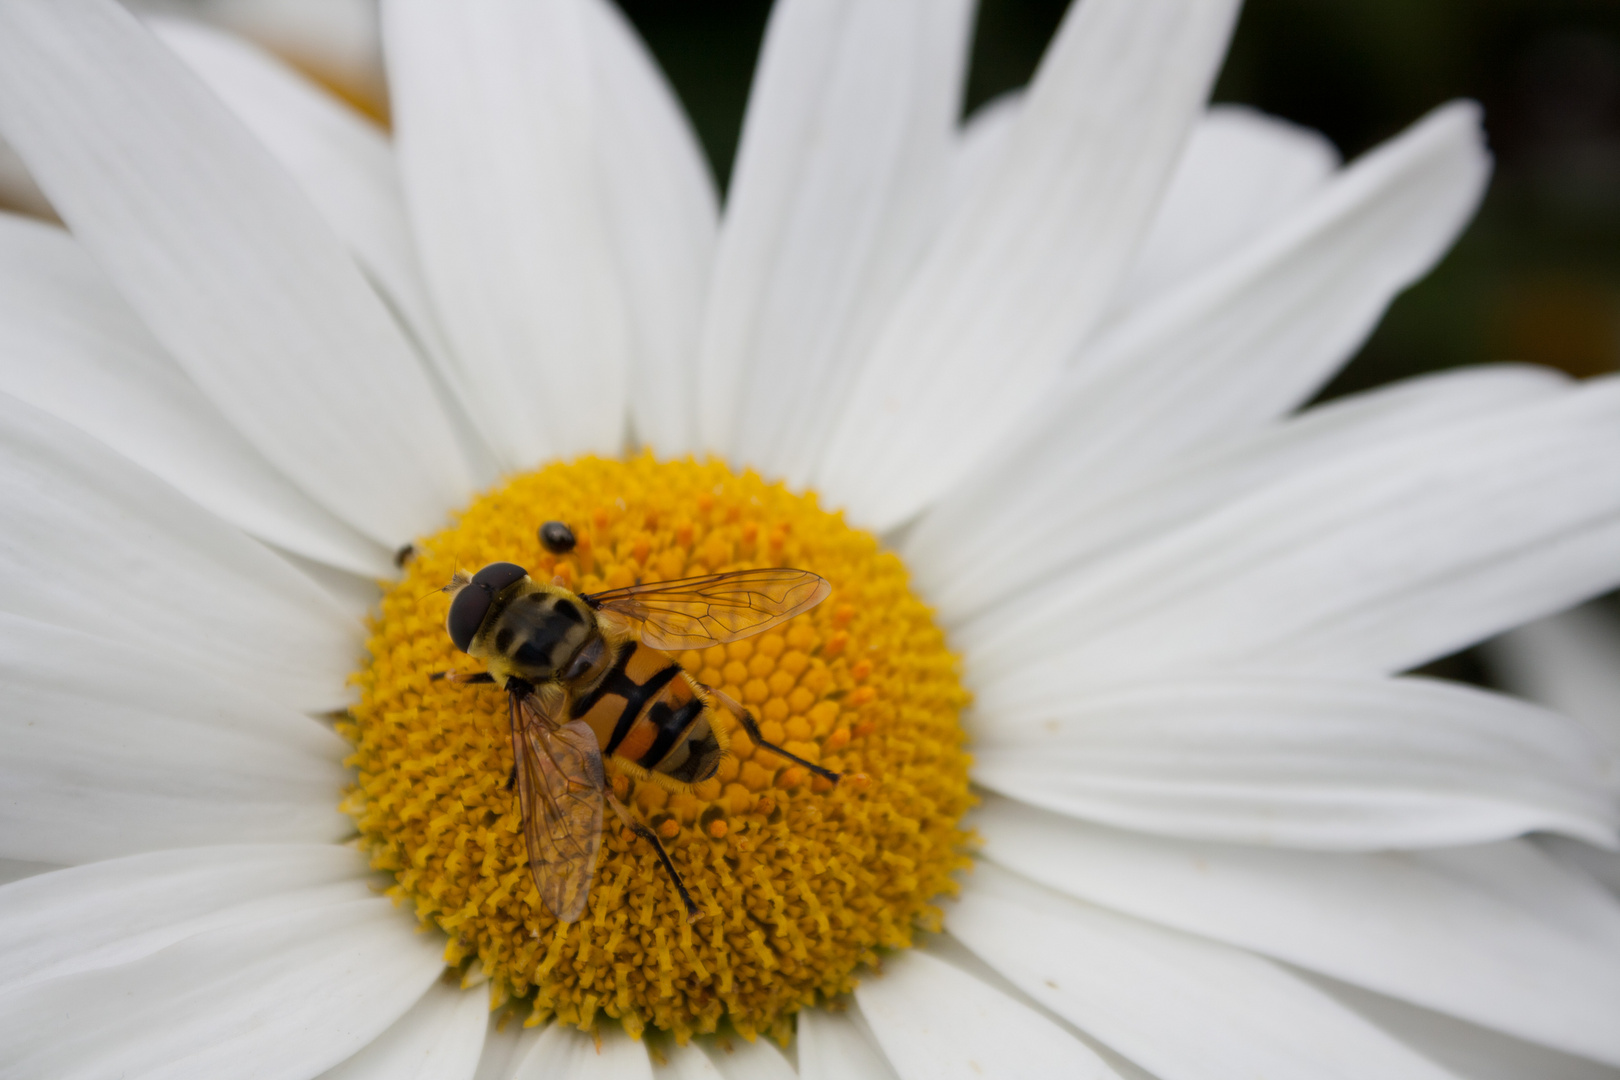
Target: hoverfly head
471, 599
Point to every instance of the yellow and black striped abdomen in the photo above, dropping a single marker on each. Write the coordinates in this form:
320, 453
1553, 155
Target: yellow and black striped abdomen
647, 711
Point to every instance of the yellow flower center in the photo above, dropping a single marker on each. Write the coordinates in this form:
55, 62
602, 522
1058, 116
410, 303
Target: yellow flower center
798, 880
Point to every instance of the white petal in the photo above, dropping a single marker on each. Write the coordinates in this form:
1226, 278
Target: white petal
336, 39
341, 160
17, 869
563, 214
1358, 763
1181, 1007
439, 1039
1570, 662
1241, 171
130, 751
1022, 271
101, 916
1498, 934
934, 1020
685, 1063
1376, 561
739, 1059
228, 263
663, 214
839, 1046
997, 535
70, 345
838, 182
565, 1051
1466, 1049
1255, 335
282, 996
1601, 866
18, 191
506, 1043
94, 543
357, 595
981, 145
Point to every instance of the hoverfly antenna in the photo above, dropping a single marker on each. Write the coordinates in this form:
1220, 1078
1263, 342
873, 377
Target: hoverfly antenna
458, 581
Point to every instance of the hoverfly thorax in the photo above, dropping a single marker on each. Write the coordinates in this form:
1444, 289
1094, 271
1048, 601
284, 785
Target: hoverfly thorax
522, 629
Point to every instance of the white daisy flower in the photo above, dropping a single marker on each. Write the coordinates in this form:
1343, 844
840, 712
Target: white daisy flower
1053, 358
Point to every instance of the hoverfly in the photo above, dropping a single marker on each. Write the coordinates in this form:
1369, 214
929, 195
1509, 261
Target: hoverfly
589, 675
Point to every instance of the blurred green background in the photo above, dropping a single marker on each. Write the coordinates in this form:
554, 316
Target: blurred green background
1537, 275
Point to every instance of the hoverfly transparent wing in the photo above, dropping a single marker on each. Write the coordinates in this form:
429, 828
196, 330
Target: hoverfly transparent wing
694, 613
560, 790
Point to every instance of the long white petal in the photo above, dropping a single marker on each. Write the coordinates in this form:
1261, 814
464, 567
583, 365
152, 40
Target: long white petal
1376, 561
981, 146
335, 39
441, 1038
838, 183
1024, 269
1358, 763
1255, 335
101, 916
346, 166
563, 214
506, 1044
1601, 866
739, 1059
281, 996
1497, 934
565, 1051
935, 1020
95, 543
997, 538
1241, 172
1181, 1007
229, 264
70, 345
1569, 661
839, 1046
17, 869
113, 749
663, 212
1466, 1049
685, 1063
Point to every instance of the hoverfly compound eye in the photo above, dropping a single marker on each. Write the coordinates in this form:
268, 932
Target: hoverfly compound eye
557, 538
471, 605
498, 575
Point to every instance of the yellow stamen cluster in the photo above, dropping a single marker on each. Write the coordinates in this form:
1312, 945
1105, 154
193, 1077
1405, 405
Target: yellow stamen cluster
799, 881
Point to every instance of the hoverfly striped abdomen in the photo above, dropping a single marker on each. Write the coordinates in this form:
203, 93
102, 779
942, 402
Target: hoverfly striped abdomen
647, 711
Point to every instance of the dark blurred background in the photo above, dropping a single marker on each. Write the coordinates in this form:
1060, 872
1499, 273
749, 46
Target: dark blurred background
1536, 277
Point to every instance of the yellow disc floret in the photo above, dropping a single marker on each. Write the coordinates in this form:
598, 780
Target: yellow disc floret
799, 881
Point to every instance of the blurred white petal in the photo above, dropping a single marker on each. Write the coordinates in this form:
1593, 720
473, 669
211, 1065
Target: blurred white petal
1497, 934
229, 264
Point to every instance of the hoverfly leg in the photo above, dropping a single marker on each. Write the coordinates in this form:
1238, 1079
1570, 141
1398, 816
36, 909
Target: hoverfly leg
462, 678
511, 777
747, 720
692, 912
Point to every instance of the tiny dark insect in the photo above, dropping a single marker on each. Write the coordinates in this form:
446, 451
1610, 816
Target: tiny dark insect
404, 555
557, 538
